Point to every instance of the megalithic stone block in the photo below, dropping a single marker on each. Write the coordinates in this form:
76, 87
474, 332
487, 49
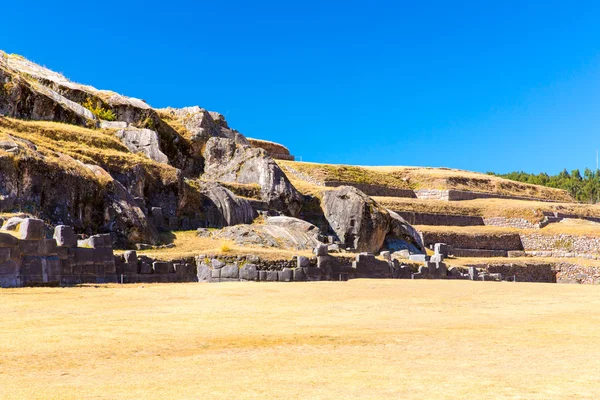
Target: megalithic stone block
31, 229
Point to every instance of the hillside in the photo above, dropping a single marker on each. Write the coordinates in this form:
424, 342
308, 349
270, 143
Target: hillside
401, 181
176, 183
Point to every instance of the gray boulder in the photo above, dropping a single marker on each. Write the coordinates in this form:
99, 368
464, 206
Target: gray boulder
227, 161
280, 232
248, 272
223, 208
359, 222
402, 236
12, 224
144, 141
202, 125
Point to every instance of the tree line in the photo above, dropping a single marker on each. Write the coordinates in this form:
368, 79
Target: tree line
584, 188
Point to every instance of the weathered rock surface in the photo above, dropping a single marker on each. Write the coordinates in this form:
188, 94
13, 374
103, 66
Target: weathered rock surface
144, 141
359, 222
402, 236
280, 232
230, 162
223, 208
73, 193
203, 124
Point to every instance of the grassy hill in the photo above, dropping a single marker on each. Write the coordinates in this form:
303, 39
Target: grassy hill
310, 177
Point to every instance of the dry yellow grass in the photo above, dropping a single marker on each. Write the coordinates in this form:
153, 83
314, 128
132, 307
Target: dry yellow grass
418, 178
188, 244
464, 261
363, 339
92, 146
567, 227
529, 210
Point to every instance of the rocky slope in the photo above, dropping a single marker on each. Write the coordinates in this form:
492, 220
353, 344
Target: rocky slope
105, 163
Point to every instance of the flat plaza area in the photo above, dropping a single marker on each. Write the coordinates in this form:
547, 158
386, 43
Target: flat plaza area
362, 339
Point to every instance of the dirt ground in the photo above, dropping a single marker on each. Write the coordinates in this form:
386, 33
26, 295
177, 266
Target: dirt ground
362, 339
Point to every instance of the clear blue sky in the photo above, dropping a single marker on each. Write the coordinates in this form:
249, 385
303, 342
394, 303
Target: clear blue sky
479, 85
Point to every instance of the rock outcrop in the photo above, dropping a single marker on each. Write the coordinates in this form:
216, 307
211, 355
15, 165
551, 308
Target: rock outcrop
223, 208
280, 232
358, 221
402, 236
144, 141
202, 125
58, 188
228, 161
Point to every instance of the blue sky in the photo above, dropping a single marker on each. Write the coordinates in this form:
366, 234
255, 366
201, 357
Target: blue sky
507, 86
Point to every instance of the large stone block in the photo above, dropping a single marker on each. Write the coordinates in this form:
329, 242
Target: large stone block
248, 272
203, 273
4, 254
66, 267
321, 250
110, 268
286, 275
217, 264
130, 256
443, 249
32, 266
8, 240
84, 256
48, 247
9, 267
302, 262
230, 272
215, 274
299, 275
418, 257
100, 241
272, 276
145, 268
32, 229
30, 247
65, 236
157, 216
313, 273
160, 267
262, 275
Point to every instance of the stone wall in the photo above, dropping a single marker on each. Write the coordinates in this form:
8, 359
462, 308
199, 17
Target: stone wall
459, 195
563, 272
416, 218
561, 243
29, 258
495, 241
375, 190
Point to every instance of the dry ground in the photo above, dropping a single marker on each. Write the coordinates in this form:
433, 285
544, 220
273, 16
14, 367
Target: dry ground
363, 339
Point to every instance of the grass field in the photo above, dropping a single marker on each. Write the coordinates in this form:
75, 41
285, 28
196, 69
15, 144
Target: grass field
363, 339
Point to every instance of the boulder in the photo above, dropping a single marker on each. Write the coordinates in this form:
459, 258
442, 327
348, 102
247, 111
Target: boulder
248, 272
359, 222
12, 224
144, 141
65, 236
280, 232
286, 275
203, 125
227, 161
230, 272
32, 229
402, 236
223, 208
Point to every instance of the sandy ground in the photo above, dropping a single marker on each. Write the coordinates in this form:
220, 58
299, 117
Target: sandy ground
363, 339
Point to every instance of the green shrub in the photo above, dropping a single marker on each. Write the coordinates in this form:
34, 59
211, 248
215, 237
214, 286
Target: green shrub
100, 112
